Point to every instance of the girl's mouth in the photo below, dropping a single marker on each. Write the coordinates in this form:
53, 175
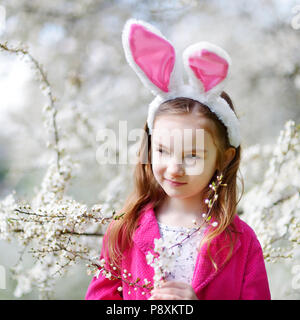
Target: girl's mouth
175, 183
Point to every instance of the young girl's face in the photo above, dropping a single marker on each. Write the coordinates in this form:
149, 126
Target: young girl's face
183, 168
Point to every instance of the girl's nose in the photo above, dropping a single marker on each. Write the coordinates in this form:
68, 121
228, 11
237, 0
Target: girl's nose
175, 168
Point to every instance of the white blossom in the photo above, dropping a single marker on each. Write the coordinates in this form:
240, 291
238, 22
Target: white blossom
51, 223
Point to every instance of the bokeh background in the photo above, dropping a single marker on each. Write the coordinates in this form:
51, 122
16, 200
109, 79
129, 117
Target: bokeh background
79, 45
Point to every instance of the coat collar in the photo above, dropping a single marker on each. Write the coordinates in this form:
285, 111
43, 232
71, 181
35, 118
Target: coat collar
147, 230
204, 272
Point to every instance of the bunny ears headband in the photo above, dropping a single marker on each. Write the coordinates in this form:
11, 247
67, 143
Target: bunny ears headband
153, 58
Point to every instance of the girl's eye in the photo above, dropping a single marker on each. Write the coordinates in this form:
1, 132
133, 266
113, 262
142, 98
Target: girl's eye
160, 150
192, 156
191, 159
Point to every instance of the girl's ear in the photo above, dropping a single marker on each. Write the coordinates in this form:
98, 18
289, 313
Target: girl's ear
150, 55
207, 66
229, 155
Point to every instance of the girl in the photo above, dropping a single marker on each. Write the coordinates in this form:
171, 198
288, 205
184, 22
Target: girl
225, 260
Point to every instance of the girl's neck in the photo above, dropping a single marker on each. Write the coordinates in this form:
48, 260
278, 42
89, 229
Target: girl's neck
180, 212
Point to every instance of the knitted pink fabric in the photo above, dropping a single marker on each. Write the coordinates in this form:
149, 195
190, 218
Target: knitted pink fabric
242, 277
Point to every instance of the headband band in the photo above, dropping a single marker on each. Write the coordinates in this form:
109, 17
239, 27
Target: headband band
153, 59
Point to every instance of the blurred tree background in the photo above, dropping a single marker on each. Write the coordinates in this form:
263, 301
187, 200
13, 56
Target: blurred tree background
79, 45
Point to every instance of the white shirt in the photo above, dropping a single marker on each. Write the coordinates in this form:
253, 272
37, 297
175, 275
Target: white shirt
184, 264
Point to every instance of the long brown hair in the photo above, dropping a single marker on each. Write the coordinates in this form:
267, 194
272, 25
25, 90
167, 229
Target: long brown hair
146, 188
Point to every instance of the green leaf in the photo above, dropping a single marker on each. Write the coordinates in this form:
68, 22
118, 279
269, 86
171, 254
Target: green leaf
120, 216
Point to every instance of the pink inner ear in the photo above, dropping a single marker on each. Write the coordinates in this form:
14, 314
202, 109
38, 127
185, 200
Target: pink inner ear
154, 55
208, 67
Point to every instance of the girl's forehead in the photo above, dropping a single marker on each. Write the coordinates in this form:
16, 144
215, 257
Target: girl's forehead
193, 123
192, 130
184, 121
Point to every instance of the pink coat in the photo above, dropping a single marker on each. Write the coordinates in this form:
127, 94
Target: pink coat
242, 277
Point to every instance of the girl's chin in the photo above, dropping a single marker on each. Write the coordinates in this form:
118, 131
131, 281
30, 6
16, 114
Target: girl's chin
175, 192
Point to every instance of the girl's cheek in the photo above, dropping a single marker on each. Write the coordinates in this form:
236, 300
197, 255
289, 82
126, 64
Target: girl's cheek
196, 169
158, 163
157, 170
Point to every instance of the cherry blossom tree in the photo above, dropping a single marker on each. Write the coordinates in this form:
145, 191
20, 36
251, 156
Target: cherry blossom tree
63, 77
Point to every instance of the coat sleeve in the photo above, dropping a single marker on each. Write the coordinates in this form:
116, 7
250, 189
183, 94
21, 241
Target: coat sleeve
102, 288
255, 282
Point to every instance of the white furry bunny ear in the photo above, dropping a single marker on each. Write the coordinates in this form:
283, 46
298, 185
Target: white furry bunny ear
150, 55
207, 66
